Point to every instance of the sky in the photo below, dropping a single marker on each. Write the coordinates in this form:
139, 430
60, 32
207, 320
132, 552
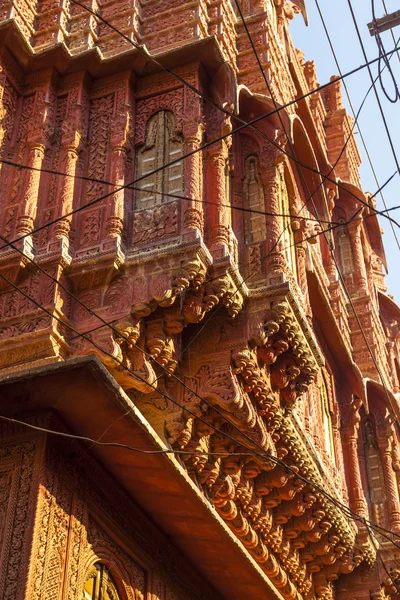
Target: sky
313, 41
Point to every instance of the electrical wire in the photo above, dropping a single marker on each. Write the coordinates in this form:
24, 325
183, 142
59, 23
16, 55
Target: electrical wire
156, 192
353, 111
207, 144
391, 31
381, 49
11, 243
375, 90
329, 243
124, 446
330, 246
264, 454
90, 11
113, 357
331, 249
346, 510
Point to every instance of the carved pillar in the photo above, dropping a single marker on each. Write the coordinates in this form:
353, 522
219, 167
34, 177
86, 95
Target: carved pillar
385, 442
360, 272
193, 218
62, 228
350, 426
391, 350
29, 203
219, 225
276, 260
115, 204
3, 111
301, 255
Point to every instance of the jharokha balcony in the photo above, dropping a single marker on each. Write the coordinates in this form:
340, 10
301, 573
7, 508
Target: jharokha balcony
190, 296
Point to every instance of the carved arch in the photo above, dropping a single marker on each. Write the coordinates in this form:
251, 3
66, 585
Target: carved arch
99, 584
123, 585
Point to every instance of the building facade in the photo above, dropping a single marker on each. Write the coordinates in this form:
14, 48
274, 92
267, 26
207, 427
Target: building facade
199, 360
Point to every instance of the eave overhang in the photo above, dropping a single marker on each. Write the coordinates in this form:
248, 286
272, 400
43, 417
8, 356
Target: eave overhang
206, 51
88, 399
385, 396
388, 305
255, 105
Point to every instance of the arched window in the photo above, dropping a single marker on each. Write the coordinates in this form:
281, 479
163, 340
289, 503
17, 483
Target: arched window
161, 147
99, 584
253, 191
346, 256
326, 419
287, 236
376, 482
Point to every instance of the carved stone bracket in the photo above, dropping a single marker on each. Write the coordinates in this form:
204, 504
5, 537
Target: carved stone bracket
122, 354
282, 344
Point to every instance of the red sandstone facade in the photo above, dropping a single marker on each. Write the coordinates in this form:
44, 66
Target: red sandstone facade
230, 331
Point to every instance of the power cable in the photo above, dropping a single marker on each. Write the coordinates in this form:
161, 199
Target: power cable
391, 31
265, 454
156, 192
353, 111
329, 243
331, 249
283, 126
263, 212
92, 311
11, 243
381, 49
124, 446
375, 90
330, 246
53, 315
204, 146
101, 350
195, 90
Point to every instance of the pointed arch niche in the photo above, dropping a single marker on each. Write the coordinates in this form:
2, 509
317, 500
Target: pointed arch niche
156, 216
253, 200
162, 146
288, 238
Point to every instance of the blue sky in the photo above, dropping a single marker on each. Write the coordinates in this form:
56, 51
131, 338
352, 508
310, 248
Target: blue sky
313, 42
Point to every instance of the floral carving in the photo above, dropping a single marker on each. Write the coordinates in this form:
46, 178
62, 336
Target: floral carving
151, 226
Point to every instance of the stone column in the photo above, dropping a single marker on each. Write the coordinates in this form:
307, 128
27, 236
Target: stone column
276, 261
62, 228
216, 193
350, 426
391, 350
115, 212
193, 215
115, 203
360, 272
29, 203
385, 441
3, 110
